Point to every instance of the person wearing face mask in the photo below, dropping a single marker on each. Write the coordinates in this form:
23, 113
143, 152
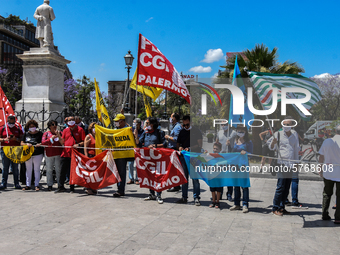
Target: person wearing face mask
243, 145
51, 139
10, 135
137, 124
81, 124
172, 139
121, 162
33, 137
89, 149
189, 139
73, 136
288, 149
151, 138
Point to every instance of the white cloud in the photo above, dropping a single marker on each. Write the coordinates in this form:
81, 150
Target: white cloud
73, 62
149, 19
215, 75
200, 69
213, 56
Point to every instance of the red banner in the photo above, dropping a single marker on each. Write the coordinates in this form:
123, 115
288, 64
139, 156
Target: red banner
155, 70
159, 169
6, 110
94, 173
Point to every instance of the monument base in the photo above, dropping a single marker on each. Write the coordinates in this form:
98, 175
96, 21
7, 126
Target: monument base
43, 80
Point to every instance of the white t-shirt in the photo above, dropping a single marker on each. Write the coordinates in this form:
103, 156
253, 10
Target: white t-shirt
330, 149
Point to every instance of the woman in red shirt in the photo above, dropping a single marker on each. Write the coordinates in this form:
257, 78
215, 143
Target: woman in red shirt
89, 149
53, 151
90, 142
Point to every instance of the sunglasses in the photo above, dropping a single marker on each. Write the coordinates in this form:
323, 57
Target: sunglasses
53, 125
186, 125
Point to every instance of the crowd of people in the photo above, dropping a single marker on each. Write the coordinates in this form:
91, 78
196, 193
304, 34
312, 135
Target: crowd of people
55, 145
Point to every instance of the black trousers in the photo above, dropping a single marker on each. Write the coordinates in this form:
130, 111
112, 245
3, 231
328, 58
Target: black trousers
65, 168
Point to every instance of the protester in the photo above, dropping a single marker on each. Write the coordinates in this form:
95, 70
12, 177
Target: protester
137, 124
288, 149
53, 151
189, 139
243, 145
216, 191
265, 136
329, 156
73, 136
10, 135
89, 149
172, 139
151, 138
121, 162
81, 124
33, 137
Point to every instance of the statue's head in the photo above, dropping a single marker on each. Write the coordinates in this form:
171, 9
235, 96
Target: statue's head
46, 1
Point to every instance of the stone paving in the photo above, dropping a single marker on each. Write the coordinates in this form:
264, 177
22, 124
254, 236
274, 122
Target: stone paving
47, 223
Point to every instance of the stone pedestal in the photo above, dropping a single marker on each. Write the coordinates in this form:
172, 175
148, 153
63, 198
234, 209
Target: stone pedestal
43, 80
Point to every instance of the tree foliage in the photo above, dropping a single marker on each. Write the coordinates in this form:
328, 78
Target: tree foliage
329, 106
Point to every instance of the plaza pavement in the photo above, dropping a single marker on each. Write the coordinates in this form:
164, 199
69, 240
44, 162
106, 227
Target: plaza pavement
47, 223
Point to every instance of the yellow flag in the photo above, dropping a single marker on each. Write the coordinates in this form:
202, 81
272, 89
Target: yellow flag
103, 116
18, 154
116, 139
147, 105
152, 92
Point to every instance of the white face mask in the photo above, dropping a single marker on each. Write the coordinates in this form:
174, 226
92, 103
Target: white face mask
239, 134
286, 129
32, 129
93, 130
170, 120
134, 125
187, 129
148, 127
71, 123
10, 125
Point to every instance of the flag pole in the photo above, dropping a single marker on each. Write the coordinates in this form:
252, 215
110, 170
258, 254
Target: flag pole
3, 111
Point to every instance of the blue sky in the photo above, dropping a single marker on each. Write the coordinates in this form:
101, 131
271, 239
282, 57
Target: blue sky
95, 35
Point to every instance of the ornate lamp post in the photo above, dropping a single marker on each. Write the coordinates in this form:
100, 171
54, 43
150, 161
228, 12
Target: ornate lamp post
128, 62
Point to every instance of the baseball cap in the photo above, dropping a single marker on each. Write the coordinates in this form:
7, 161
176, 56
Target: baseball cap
119, 117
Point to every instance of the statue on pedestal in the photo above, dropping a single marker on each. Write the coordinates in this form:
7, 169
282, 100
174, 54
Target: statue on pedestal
44, 14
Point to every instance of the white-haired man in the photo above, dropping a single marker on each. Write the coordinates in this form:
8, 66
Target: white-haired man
329, 156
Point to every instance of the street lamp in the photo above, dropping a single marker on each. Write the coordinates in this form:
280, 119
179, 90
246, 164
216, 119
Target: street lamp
128, 62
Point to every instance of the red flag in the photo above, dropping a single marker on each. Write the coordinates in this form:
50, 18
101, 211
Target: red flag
94, 173
159, 169
155, 70
6, 110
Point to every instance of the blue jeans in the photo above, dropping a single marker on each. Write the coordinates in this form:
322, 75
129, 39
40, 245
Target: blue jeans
121, 167
185, 186
281, 193
295, 190
6, 163
131, 168
237, 197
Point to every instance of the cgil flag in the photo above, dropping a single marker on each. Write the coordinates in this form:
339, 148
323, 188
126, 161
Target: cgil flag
265, 82
248, 115
93, 173
155, 70
103, 116
6, 110
152, 92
